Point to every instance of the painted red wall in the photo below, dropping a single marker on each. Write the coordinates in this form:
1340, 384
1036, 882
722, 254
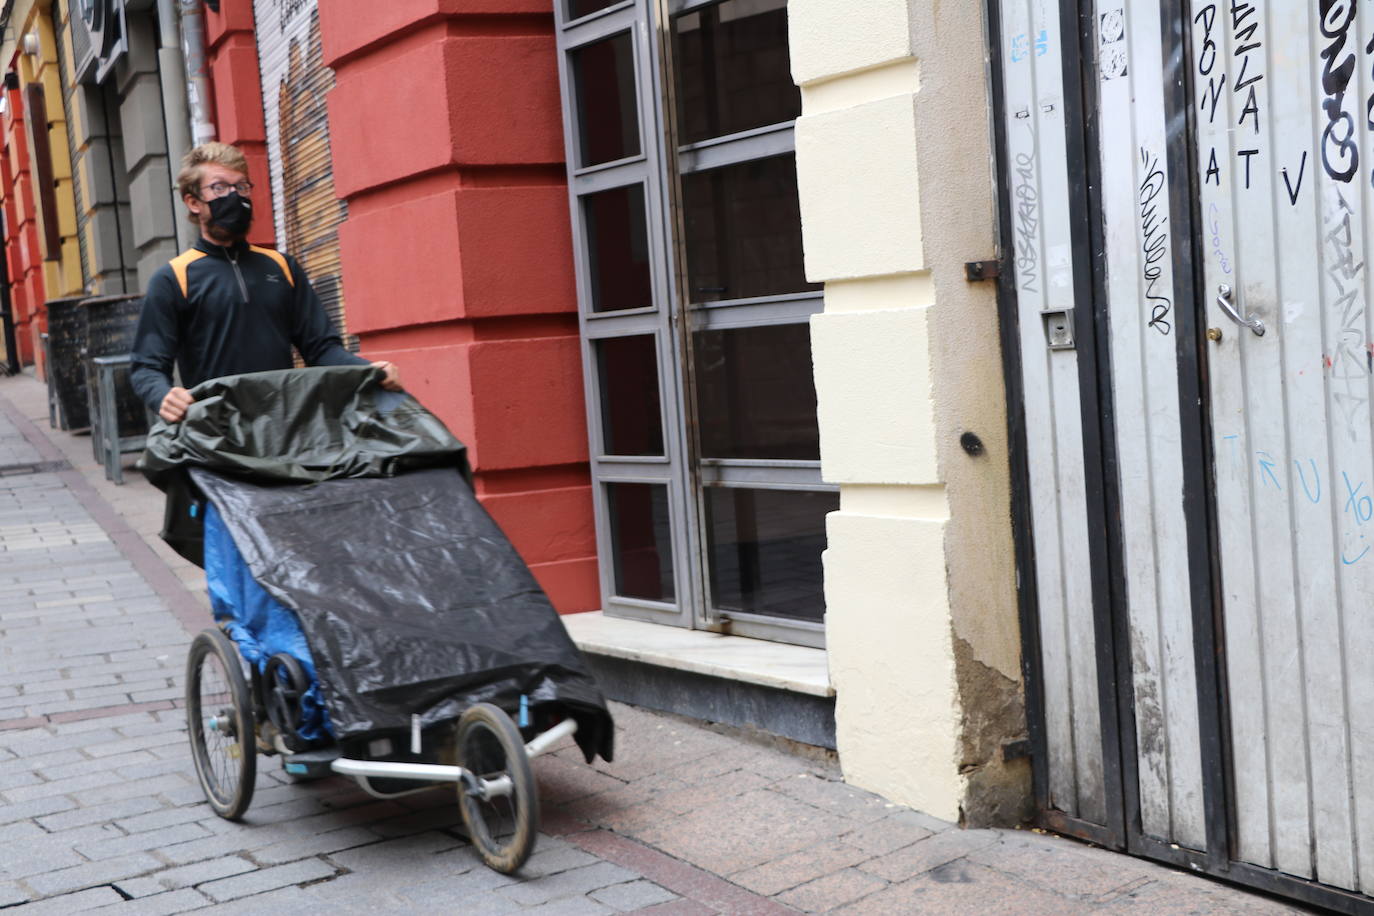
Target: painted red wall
446, 132
25, 257
233, 59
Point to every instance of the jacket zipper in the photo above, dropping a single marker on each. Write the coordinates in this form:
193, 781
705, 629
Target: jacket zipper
234, 260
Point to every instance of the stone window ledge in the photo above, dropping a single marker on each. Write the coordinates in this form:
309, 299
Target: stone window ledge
754, 661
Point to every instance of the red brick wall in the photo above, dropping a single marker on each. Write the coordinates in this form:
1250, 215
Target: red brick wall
446, 133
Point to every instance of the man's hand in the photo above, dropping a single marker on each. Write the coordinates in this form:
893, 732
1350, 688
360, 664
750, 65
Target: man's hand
392, 382
174, 405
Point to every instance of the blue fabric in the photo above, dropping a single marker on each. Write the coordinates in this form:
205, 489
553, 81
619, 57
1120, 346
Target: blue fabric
260, 625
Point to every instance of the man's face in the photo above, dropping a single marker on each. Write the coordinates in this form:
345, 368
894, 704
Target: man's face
215, 181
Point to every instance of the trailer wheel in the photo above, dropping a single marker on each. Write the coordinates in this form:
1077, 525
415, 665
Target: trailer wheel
501, 805
219, 722
285, 683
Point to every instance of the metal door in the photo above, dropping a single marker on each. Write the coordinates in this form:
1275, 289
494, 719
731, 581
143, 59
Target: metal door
1155, 582
613, 129
744, 319
1222, 363
1040, 247
1283, 171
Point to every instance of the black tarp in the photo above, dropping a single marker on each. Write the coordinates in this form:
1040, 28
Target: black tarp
412, 599
290, 426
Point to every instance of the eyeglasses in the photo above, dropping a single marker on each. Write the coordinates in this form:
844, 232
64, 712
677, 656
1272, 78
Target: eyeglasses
221, 188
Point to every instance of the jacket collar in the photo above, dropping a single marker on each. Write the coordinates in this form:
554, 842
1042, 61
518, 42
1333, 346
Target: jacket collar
221, 251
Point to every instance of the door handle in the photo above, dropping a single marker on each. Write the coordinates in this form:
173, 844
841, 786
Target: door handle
1224, 303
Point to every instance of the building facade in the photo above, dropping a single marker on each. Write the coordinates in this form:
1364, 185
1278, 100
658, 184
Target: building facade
605, 241
886, 382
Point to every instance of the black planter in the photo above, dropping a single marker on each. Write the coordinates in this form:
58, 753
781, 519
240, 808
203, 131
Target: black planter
67, 361
110, 324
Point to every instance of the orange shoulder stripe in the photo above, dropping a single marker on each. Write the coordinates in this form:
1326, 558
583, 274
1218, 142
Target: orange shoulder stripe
181, 262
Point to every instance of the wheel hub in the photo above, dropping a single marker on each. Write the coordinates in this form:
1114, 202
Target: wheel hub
222, 723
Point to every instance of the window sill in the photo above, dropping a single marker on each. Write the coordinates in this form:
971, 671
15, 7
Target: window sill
752, 661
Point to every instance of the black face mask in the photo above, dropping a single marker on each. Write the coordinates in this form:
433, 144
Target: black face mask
231, 214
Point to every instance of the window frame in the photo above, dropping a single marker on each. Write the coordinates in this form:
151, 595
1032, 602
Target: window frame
672, 320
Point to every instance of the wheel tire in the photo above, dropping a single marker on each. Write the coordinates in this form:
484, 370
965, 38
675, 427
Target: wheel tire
503, 827
219, 722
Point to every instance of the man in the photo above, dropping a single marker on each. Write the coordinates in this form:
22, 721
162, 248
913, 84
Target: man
225, 307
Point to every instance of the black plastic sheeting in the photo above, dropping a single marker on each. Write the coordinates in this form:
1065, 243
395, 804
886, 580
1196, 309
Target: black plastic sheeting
290, 426
411, 598
301, 426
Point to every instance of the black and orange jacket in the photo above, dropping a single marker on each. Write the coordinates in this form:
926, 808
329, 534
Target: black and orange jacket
224, 311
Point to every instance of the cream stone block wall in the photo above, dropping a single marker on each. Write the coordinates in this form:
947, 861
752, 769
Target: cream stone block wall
891, 659
840, 36
861, 213
895, 184
874, 365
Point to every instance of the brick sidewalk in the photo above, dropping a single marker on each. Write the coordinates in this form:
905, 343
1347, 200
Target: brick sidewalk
99, 806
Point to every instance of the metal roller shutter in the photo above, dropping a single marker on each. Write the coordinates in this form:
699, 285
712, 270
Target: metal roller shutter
295, 84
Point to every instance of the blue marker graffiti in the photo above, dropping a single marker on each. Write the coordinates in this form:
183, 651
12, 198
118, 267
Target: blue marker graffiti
1361, 506
1231, 448
1021, 46
1316, 477
1267, 465
1359, 501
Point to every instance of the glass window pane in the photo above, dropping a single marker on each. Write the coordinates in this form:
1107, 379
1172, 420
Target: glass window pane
617, 249
641, 540
630, 417
765, 548
579, 8
733, 71
744, 231
604, 80
756, 394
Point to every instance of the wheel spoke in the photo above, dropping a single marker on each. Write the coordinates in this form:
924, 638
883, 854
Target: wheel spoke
217, 710
215, 697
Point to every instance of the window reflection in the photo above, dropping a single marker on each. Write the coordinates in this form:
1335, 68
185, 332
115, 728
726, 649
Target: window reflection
630, 417
604, 80
617, 249
733, 71
765, 549
756, 393
744, 231
641, 540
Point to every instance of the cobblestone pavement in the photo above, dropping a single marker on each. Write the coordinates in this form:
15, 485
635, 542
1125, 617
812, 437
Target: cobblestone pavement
100, 809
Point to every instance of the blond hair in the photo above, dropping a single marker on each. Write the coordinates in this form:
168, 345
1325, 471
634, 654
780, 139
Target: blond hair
189, 178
